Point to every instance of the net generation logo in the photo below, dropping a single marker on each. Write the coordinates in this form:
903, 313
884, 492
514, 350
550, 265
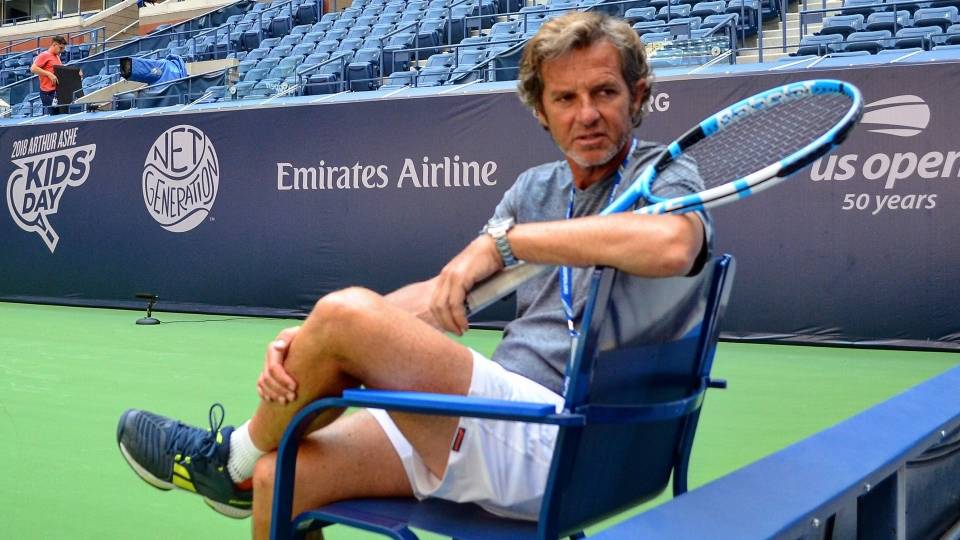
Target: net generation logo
181, 176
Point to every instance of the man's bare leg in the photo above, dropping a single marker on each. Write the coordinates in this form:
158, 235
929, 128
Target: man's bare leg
355, 336
352, 457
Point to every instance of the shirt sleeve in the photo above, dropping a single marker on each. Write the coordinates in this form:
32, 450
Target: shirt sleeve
507, 207
682, 178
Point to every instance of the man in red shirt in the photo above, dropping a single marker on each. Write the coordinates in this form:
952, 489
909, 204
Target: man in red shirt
43, 68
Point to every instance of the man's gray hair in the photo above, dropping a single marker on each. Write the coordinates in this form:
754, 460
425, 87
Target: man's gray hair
576, 31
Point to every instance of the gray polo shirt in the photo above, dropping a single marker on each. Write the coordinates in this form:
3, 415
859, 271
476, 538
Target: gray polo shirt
537, 343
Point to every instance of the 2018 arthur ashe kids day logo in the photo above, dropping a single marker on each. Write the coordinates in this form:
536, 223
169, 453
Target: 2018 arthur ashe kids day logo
181, 176
44, 167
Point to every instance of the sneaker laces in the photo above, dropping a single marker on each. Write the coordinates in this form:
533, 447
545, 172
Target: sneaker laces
195, 442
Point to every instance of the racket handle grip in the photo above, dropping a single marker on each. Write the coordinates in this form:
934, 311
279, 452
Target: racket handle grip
501, 284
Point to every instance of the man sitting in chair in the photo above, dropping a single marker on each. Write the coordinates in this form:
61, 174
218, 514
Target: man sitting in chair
586, 79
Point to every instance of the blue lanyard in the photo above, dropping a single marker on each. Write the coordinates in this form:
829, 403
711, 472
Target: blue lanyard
566, 273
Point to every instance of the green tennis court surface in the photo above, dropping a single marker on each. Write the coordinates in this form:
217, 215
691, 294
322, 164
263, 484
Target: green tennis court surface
66, 374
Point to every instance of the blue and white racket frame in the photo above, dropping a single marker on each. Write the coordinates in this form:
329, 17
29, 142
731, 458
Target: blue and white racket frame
507, 281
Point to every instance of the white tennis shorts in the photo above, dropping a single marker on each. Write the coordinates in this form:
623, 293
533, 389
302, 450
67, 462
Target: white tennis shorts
501, 466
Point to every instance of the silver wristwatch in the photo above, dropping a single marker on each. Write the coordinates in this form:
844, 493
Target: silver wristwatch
498, 228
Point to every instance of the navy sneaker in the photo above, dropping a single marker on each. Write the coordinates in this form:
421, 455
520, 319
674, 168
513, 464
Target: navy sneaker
167, 454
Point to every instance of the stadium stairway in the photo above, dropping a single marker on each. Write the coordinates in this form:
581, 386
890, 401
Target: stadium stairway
773, 33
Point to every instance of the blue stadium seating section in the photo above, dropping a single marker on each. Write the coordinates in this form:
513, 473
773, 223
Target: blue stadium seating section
873, 26
290, 48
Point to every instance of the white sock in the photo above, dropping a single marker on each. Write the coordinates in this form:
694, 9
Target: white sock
243, 454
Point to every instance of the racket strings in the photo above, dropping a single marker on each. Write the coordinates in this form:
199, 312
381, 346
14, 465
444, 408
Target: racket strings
765, 137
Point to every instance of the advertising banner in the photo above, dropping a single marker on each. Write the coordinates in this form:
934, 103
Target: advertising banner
262, 211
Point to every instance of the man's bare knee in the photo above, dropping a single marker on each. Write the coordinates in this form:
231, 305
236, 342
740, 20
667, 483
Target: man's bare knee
264, 473
342, 315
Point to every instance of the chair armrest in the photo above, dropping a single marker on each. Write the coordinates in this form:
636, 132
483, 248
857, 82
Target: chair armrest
415, 402
453, 405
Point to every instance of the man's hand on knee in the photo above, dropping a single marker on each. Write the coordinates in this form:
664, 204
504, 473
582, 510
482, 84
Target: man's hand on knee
275, 384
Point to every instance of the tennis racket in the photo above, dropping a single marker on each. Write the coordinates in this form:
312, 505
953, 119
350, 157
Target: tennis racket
746, 148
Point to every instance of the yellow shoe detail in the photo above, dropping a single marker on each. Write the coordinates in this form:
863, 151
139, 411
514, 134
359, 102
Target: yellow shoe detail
180, 470
183, 483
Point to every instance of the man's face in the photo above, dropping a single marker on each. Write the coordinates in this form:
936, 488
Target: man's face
57, 48
587, 105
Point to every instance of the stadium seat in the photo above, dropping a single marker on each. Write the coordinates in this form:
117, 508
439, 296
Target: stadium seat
655, 37
312, 37
300, 29
844, 25
398, 79
410, 16
336, 33
250, 39
293, 60
362, 76
303, 49
255, 74
683, 25
242, 88
819, 45
951, 36
213, 94
704, 9
269, 43
501, 30
372, 11
871, 42
861, 7
717, 20
244, 66
269, 63
358, 32
344, 23
291, 39
658, 4
643, 28
326, 46
911, 7
280, 51
746, 11
942, 17
887, 20
917, 37
395, 57
306, 13
321, 26
644, 14
433, 76
431, 33
389, 18
309, 63
350, 44
281, 26
649, 387
343, 57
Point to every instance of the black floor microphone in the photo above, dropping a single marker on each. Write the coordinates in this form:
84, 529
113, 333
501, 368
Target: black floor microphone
151, 300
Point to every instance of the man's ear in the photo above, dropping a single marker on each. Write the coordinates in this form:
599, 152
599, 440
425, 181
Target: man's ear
542, 118
636, 101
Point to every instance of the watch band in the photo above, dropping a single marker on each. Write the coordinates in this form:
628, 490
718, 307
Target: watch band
498, 231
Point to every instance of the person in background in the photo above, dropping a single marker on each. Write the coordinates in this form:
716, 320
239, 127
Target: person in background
43, 67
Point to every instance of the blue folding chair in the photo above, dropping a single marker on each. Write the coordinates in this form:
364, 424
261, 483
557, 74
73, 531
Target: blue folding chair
634, 387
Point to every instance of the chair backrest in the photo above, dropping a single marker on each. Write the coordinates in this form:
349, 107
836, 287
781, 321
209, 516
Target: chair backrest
638, 373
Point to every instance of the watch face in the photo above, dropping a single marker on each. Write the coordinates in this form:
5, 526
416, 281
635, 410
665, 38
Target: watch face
499, 223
